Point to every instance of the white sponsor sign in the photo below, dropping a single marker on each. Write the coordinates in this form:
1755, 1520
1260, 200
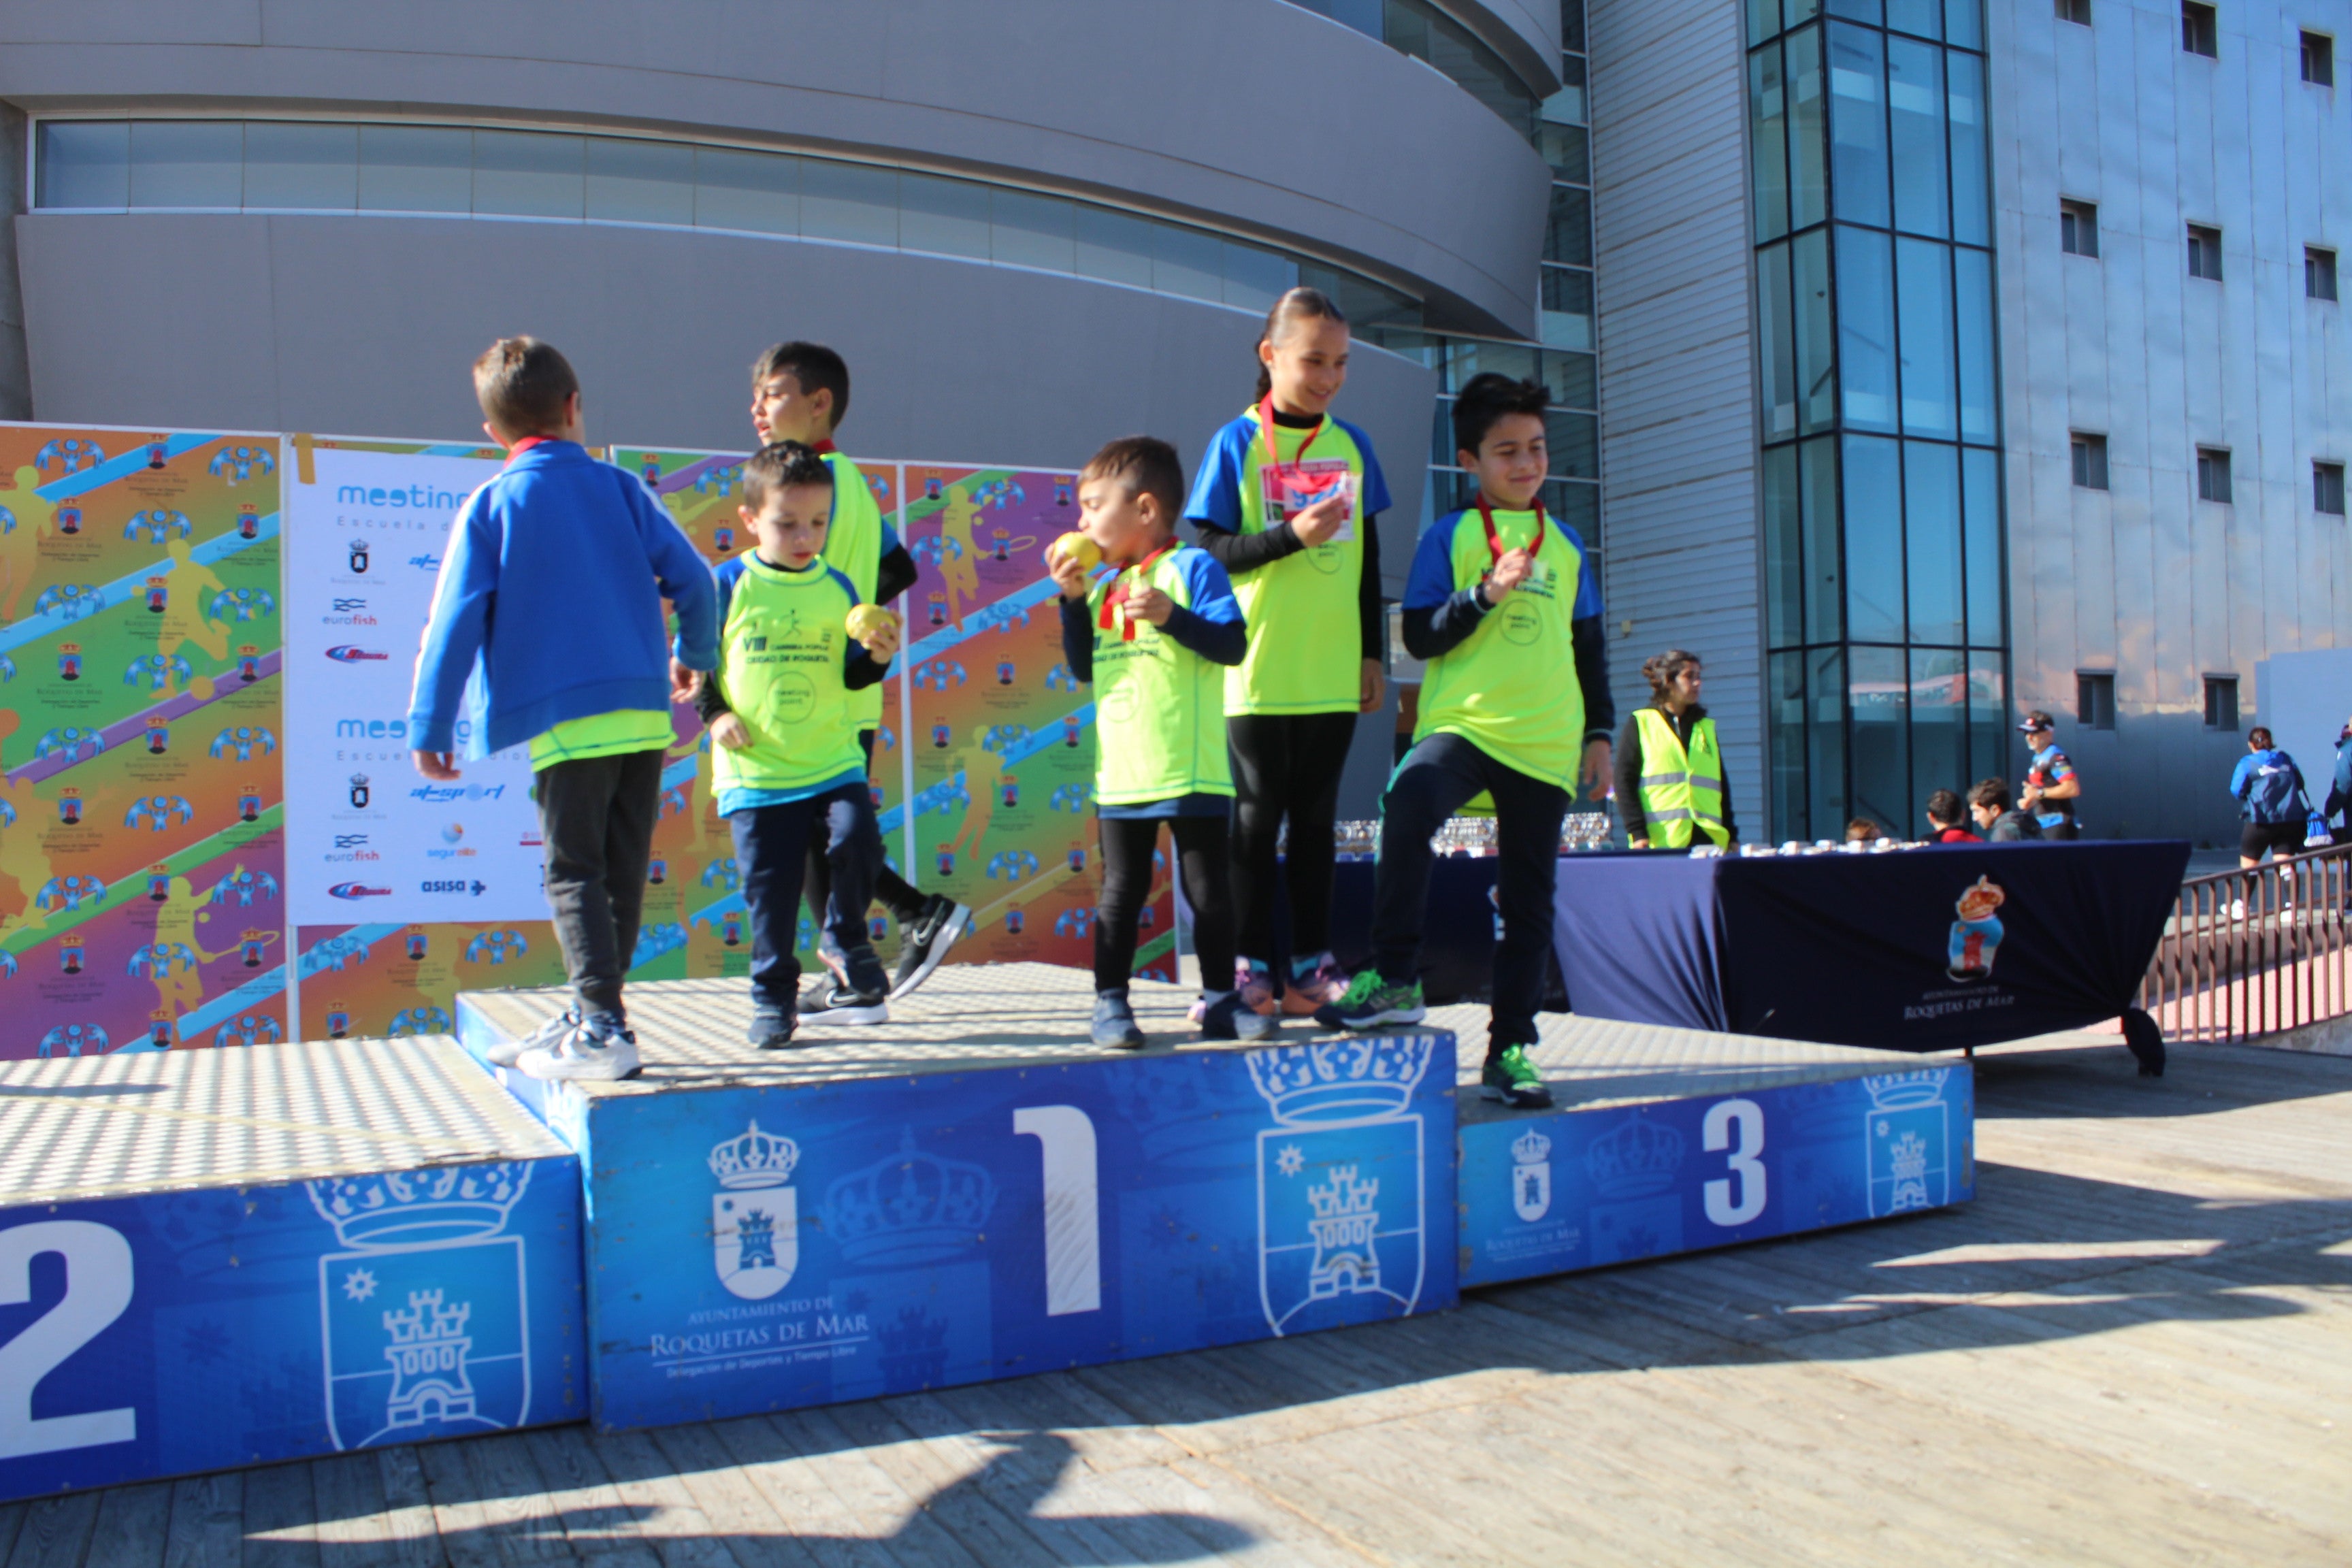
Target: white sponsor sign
369, 840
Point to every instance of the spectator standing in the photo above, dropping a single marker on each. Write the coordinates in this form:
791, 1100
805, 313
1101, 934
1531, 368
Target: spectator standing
1989, 804
1669, 773
2268, 788
2339, 794
2052, 786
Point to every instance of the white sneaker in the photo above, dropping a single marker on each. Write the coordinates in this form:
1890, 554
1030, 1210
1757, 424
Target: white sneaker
547, 1037
586, 1053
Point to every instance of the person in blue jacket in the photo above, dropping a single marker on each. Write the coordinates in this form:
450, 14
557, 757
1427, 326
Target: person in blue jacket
2268, 788
551, 590
2339, 794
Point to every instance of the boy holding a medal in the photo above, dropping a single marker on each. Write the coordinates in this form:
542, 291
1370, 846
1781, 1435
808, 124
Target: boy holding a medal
1505, 607
1154, 634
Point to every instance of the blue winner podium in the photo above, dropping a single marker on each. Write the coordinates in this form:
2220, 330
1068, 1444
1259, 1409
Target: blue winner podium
219, 1258
964, 1194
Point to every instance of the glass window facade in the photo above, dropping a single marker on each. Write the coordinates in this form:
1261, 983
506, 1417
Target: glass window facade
1565, 361
1884, 596
236, 165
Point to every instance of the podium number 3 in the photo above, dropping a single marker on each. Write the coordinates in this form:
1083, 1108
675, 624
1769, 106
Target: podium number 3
98, 1288
1715, 1133
1065, 1139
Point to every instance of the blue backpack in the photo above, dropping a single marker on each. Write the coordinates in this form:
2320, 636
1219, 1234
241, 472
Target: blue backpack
2272, 795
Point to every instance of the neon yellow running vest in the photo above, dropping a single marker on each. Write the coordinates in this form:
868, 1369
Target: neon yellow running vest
1509, 688
780, 658
853, 546
1305, 638
1680, 793
1160, 714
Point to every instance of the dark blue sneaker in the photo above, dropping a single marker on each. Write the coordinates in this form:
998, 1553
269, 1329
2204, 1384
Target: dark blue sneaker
771, 1028
1229, 1017
1114, 1022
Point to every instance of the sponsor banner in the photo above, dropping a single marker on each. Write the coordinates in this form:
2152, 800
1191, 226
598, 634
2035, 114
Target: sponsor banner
370, 839
239, 1325
1581, 1189
142, 740
848, 1240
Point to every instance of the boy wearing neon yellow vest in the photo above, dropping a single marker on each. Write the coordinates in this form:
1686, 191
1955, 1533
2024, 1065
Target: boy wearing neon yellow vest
799, 391
786, 759
1287, 501
549, 609
1154, 628
1505, 607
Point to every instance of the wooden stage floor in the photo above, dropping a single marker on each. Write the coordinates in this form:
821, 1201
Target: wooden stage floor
2135, 1347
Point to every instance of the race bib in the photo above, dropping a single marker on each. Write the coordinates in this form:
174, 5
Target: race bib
1296, 486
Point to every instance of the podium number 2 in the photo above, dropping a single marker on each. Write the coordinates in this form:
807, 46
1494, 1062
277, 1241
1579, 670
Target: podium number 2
1715, 1133
1066, 1139
98, 1288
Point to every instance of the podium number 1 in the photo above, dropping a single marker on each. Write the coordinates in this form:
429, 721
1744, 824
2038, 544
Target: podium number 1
1715, 1133
1065, 1139
98, 1288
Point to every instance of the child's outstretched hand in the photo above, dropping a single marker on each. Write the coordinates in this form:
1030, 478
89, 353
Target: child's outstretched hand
1070, 574
1320, 524
1511, 570
730, 730
685, 685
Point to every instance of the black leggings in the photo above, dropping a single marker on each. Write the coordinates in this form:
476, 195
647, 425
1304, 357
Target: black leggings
902, 898
1127, 846
1286, 764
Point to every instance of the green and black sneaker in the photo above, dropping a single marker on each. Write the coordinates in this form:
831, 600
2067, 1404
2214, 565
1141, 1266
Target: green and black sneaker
1513, 1079
1371, 1002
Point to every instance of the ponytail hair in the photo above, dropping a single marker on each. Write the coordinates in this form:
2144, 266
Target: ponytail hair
1311, 303
1660, 670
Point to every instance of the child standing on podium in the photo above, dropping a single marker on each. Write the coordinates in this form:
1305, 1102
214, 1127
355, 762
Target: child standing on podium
1154, 634
1505, 609
796, 643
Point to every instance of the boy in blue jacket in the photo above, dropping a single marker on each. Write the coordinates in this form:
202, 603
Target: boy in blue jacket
552, 585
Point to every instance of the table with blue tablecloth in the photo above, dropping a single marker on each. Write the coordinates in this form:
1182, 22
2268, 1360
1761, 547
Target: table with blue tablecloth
1927, 948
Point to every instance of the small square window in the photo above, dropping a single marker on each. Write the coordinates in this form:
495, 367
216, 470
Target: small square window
2090, 461
2204, 252
2095, 699
2075, 11
2318, 273
2328, 488
2078, 228
2319, 59
2213, 475
2199, 34
2220, 703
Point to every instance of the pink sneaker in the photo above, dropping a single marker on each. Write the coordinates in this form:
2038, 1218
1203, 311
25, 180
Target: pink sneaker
1321, 986
1256, 984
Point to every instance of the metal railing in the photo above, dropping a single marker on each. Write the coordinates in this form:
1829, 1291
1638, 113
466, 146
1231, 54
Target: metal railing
2253, 952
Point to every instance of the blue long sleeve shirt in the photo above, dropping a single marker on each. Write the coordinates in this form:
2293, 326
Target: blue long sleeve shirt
549, 605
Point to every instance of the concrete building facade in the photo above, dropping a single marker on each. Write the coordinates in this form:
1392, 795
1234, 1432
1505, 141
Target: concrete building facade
1914, 360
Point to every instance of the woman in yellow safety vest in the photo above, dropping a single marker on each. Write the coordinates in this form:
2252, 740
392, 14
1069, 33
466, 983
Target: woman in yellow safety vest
1670, 786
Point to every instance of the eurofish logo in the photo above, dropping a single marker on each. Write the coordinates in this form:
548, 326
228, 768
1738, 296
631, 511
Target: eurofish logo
344, 653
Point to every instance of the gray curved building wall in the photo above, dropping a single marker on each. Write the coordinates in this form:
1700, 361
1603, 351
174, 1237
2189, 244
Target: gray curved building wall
1249, 114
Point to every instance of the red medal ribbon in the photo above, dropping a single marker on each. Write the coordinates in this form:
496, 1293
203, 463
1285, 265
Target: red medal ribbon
1116, 597
526, 444
1494, 544
1266, 427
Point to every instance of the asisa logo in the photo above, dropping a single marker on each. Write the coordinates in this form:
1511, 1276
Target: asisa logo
344, 653
358, 891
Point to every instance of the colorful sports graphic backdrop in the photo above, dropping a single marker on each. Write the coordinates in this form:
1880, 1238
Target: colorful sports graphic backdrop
141, 864
983, 730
